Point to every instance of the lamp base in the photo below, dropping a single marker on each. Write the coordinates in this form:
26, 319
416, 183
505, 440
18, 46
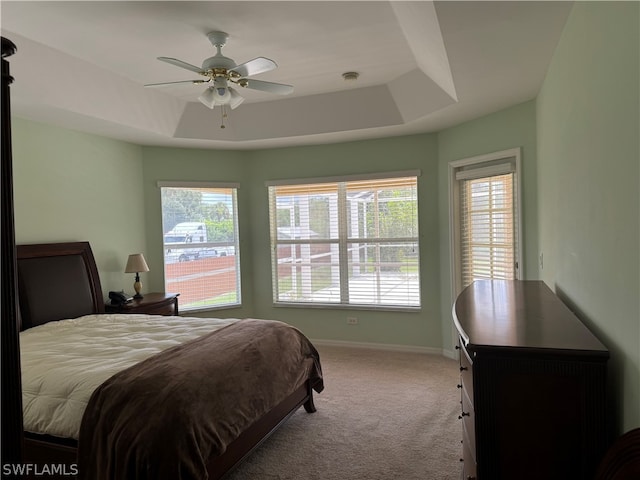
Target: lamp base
137, 286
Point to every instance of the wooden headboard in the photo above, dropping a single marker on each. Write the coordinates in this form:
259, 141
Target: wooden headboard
57, 281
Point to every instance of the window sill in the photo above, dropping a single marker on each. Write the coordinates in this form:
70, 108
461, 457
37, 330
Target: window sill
186, 312
339, 306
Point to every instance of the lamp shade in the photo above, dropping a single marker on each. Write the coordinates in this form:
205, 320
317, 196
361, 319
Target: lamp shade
136, 263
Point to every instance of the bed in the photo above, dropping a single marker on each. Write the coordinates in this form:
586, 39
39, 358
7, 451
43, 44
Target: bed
162, 415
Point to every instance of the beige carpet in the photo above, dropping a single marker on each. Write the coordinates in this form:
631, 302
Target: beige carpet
383, 415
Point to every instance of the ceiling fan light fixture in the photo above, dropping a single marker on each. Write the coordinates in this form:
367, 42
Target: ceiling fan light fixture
217, 94
236, 98
208, 97
221, 91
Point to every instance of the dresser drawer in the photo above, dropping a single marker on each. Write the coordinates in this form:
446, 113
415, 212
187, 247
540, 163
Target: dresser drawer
466, 371
468, 424
470, 468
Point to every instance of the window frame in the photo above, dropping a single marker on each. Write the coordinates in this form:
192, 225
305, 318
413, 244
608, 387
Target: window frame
482, 166
236, 242
341, 242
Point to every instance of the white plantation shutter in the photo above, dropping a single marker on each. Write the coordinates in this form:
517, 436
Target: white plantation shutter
488, 223
351, 241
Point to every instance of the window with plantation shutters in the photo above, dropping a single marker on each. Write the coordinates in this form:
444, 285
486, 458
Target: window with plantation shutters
349, 242
485, 215
200, 244
487, 228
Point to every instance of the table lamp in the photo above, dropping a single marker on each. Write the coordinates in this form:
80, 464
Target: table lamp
136, 264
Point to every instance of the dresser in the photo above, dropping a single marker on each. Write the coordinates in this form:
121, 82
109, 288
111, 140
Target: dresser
532, 385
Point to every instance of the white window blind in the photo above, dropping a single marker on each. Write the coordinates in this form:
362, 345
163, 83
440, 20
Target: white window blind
487, 228
349, 242
200, 241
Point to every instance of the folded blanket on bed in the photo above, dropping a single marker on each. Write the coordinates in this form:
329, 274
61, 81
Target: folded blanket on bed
166, 416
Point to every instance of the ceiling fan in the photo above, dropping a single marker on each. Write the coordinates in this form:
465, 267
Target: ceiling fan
222, 72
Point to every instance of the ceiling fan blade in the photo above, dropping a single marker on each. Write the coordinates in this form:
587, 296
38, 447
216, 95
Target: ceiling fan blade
236, 98
180, 63
277, 88
253, 67
194, 82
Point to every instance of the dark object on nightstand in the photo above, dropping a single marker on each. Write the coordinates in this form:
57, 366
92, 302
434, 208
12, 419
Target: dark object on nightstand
118, 298
155, 303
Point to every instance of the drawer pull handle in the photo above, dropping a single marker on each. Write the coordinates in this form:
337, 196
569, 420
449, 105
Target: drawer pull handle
459, 386
462, 369
464, 414
457, 347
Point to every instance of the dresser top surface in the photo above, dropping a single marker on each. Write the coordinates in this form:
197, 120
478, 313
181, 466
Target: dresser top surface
520, 314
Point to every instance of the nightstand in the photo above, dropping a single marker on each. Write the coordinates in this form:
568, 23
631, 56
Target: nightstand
154, 303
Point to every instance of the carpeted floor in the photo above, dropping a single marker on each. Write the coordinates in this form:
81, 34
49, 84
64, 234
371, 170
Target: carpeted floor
383, 415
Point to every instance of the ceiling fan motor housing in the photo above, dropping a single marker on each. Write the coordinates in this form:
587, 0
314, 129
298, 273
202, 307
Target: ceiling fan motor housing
218, 61
218, 39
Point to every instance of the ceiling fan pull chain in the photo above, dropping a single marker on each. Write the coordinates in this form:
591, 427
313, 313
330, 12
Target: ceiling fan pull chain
223, 113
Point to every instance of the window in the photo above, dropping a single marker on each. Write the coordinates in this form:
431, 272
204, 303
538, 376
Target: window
486, 234
487, 228
351, 242
200, 242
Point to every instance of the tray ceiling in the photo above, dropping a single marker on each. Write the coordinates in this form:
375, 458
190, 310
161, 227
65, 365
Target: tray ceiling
422, 66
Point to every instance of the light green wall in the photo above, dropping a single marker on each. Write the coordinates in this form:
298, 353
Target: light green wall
430, 328
509, 128
120, 212
71, 186
165, 164
588, 181
421, 329
252, 169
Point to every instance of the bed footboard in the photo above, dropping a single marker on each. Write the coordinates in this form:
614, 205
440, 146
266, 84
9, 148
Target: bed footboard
251, 438
44, 450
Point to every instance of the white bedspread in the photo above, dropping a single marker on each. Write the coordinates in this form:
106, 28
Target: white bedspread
64, 362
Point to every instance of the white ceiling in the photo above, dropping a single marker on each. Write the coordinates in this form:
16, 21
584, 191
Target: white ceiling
423, 66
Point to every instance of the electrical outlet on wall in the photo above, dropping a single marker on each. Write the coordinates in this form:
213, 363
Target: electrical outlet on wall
541, 260
352, 320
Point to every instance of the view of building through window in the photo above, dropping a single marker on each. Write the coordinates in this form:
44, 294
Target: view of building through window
350, 243
200, 241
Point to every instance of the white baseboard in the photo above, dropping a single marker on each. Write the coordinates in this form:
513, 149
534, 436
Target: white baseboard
381, 346
452, 354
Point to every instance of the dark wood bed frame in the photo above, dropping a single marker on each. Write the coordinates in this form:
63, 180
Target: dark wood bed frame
55, 281
11, 391
60, 280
